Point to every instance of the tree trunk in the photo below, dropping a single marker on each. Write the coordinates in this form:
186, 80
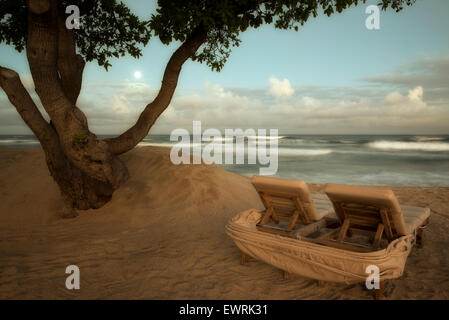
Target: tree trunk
78, 190
86, 168
86, 172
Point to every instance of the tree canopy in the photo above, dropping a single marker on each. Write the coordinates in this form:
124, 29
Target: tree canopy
109, 29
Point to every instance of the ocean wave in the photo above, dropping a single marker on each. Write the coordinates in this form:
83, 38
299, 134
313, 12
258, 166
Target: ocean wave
18, 141
288, 140
347, 142
217, 139
303, 152
427, 139
409, 146
327, 141
266, 137
230, 139
168, 144
234, 148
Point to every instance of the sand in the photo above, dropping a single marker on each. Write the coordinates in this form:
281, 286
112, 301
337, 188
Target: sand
162, 237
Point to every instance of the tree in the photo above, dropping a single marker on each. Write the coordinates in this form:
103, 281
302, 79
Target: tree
86, 168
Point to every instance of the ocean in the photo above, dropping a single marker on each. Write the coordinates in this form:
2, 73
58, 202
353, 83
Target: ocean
396, 160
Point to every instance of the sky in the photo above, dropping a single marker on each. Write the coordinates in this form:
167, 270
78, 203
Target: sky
333, 76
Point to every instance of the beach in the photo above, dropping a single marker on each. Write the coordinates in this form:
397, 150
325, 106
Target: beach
162, 236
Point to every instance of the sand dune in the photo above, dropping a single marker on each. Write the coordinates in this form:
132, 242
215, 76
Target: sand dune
162, 237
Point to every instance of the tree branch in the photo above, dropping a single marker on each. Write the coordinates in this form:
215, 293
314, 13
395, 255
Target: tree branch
25, 106
20, 98
70, 65
153, 110
42, 54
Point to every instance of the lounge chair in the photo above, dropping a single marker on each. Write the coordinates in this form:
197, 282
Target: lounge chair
289, 204
291, 210
375, 212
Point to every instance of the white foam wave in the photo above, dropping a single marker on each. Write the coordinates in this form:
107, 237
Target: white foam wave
217, 139
347, 142
303, 152
291, 141
266, 137
409, 146
14, 141
168, 144
426, 139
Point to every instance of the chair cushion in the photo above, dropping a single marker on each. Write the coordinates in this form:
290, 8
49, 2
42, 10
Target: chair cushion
323, 206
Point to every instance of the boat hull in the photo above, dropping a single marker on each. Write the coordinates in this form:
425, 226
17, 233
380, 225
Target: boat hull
313, 260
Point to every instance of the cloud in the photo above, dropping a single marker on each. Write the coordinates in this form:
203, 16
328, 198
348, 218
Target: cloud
390, 112
310, 110
114, 107
382, 104
431, 73
280, 88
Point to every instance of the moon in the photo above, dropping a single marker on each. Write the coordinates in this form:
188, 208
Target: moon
137, 74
